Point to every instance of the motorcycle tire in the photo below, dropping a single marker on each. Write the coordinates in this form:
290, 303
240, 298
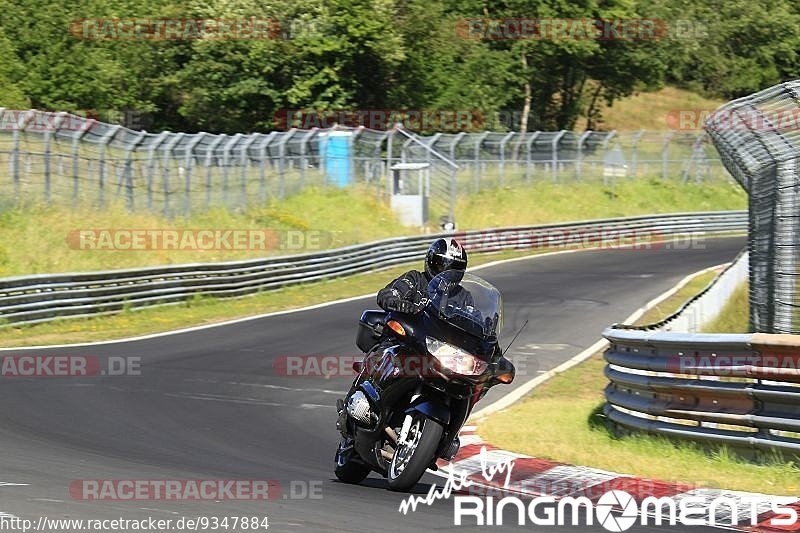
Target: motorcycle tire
425, 435
348, 470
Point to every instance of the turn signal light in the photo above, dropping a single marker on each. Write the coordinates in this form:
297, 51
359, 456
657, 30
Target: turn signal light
506, 378
395, 326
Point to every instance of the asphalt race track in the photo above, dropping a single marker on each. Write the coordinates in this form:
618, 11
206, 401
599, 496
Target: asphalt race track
214, 403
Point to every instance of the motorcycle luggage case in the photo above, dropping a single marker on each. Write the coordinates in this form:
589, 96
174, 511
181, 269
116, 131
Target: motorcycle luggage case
370, 328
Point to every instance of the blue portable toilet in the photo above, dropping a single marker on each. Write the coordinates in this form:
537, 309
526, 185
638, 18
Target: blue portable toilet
335, 148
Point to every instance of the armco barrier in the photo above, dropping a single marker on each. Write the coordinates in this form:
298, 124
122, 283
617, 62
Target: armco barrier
40, 298
738, 390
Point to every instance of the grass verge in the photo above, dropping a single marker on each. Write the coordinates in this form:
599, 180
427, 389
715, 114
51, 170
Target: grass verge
559, 421
556, 202
35, 240
669, 305
735, 315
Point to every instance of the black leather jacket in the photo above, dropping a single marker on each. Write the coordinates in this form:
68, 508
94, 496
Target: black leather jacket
411, 286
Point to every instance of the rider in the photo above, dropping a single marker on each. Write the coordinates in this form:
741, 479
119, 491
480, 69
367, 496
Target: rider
405, 294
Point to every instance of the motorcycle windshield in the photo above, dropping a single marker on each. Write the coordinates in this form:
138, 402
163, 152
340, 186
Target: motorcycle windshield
467, 302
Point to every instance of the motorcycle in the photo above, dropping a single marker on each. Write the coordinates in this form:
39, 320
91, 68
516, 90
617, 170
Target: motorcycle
421, 376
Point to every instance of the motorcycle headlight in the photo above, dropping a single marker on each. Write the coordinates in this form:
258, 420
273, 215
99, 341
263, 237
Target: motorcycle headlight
454, 358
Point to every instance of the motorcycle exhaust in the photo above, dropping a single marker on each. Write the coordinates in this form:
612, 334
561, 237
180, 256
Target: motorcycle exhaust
452, 449
392, 434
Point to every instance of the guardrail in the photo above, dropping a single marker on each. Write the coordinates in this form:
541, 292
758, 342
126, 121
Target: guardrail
738, 390
41, 298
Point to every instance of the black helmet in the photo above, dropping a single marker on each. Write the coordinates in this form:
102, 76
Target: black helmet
445, 254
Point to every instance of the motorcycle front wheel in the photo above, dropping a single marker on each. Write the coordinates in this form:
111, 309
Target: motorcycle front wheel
348, 469
413, 455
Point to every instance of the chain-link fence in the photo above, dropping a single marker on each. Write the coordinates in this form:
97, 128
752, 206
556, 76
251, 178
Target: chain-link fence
759, 142
62, 158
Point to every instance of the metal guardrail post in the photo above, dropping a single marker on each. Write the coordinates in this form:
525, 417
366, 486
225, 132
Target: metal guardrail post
390, 156
22, 123
101, 182
128, 172
687, 165
502, 169
665, 156
76, 138
227, 158
379, 168
48, 139
263, 146
635, 152
281, 162
351, 144
457, 139
210, 157
431, 141
167, 161
243, 162
151, 157
604, 147
404, 148
305, 139
607, 139
554, 152
578, 166
528, 156
477, 161
188, 167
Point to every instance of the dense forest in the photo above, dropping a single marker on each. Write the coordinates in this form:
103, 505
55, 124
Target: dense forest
522, 64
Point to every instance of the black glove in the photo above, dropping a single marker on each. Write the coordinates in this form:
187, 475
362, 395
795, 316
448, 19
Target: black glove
405, 306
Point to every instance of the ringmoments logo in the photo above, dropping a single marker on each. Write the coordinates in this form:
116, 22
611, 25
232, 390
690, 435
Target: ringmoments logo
616, 499
618, 511
615, 510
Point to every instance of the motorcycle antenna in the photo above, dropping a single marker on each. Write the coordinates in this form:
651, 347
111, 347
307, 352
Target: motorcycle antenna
515, 337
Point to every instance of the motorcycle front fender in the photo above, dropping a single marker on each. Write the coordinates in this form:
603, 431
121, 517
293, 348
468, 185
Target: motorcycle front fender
434, 409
